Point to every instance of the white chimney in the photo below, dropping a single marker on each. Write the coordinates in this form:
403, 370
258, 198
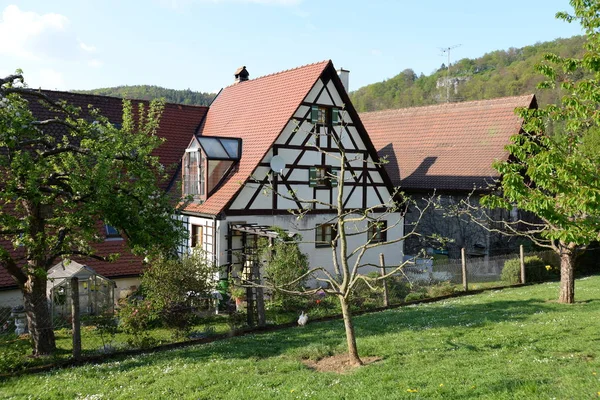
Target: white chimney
344, 75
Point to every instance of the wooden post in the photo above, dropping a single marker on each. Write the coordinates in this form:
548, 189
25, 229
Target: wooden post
75, 318
385, 288
260, 299
522, 259
464, 269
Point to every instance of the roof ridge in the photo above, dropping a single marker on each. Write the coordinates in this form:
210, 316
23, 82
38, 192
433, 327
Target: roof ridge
281, 72
452, 105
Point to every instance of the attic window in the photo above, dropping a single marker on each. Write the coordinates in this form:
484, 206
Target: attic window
324, 115
206, 162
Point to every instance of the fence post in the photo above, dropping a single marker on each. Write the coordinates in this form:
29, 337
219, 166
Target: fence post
464, 269
522, 259
385, 288
75, 318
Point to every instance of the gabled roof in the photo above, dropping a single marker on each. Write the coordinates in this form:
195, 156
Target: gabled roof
445, 147
256, 111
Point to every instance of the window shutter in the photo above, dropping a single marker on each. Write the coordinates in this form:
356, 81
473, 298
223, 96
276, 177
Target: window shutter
312, 177
335, 116
334, 179
314, 114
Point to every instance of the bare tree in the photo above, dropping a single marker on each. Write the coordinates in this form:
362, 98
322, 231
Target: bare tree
350, 265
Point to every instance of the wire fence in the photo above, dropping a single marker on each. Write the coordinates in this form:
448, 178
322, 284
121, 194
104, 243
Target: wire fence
83, 316
479, 269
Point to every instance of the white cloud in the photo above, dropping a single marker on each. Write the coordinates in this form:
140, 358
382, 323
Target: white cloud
27, 35
86, 48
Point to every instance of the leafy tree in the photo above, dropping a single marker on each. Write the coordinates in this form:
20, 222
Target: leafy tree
553, 169
150, 92
60, 177
495, 74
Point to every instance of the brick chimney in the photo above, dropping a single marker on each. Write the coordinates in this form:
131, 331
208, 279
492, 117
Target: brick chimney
241, 74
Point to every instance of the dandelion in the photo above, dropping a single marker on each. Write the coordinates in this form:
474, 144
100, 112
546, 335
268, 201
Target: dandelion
412, 390
441, 385
593, 373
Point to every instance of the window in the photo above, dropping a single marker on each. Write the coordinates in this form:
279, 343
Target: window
193, 173
111, 232
207, 162
377, 232
197, 235
324, 115
325, 234
322, 176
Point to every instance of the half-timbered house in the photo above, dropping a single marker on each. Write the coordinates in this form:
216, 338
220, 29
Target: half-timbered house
271, 145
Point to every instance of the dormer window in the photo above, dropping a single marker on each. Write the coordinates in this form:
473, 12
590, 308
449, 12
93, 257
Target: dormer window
206, 162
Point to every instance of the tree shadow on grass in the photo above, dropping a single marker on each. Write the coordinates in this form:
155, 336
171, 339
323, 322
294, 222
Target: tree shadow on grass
330, 334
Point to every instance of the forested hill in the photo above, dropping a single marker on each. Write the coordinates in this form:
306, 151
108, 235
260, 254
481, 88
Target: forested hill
147, 92
497, 74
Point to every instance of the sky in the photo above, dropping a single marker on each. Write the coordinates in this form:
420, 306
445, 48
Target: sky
198, 44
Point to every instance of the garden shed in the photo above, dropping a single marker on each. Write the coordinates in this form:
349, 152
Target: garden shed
96, 292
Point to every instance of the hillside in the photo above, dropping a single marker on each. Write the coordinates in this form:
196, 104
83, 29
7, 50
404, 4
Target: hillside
497, 74
147, 92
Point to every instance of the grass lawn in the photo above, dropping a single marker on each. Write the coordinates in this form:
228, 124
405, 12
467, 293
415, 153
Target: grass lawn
512, 344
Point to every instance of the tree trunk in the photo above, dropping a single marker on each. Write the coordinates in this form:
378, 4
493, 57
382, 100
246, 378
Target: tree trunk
567, 272
39, 319
350, 338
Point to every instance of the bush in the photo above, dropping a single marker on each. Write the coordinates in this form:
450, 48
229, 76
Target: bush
418, 295
441, 289
398, 289
136, 317
170, 287
535, 270
285, 265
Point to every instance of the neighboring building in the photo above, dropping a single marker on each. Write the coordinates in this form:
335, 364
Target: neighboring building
261, 135
177, 123
449, 149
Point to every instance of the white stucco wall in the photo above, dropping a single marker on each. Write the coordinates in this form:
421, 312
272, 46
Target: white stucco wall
322, 256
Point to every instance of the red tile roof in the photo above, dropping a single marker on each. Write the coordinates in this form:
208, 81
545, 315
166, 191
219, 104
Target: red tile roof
256, 110
445, 147
177, 125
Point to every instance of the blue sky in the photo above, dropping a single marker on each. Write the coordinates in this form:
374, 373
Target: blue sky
198, 44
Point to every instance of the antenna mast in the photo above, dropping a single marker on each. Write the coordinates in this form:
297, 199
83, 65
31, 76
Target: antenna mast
446, 50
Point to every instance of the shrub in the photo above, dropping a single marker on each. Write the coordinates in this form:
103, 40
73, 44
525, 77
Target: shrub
418, 295
170, 286
285, 266
535, 270
398, 289
136, 317
441, 289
